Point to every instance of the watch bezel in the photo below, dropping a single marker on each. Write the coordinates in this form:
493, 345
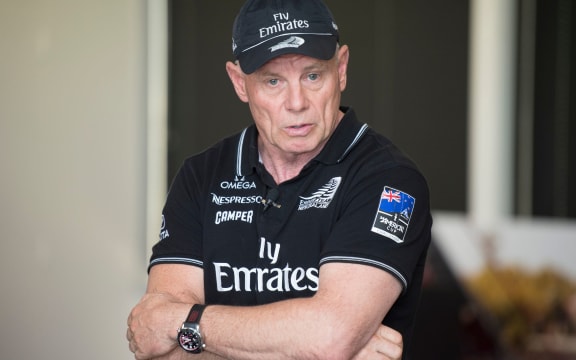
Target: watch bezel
190, 338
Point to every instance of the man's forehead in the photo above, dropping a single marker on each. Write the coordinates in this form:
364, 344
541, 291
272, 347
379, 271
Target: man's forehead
299, 61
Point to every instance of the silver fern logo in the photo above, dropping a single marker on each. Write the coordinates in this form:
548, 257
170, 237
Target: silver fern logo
321, 198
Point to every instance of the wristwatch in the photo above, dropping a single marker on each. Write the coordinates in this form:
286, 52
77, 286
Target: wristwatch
189, 336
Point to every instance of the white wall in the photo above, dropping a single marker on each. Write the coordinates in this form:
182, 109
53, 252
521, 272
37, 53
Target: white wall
530, 243
72, 176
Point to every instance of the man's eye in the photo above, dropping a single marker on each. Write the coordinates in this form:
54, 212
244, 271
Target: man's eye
313, 77
273, 82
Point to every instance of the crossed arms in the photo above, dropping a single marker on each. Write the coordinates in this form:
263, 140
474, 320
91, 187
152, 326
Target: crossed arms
341, 321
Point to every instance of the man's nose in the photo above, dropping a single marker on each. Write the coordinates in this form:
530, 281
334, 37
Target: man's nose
296, 98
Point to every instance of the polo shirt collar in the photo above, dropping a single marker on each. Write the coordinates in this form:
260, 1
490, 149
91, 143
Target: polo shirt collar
247, 152
346, 135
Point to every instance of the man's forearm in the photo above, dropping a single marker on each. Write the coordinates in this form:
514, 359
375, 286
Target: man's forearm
179, 354
257, 333
332, 324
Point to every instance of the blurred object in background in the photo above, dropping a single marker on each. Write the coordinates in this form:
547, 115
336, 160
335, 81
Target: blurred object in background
533, 309
500, 313
450, 324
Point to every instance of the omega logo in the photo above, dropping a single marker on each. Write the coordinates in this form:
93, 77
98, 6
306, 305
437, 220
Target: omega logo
245, 185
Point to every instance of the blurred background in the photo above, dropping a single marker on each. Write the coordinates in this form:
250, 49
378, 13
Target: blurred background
101, 100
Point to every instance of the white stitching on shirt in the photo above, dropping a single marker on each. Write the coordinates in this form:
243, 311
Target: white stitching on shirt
366, 261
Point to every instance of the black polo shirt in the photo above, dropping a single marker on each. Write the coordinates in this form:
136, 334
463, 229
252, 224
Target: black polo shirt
361, 200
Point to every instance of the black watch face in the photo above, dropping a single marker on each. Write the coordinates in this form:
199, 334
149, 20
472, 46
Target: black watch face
190, 340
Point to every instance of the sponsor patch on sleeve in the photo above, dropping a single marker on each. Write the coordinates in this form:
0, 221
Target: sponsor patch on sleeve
394, 213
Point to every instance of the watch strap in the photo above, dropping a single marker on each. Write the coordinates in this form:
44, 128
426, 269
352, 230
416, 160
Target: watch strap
195, 313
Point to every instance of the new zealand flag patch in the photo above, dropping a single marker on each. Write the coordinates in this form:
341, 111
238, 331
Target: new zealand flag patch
394, 213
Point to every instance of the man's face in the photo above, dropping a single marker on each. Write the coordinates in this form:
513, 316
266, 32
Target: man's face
295, 100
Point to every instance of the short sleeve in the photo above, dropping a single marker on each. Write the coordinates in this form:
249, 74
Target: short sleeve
384, 222
181, 230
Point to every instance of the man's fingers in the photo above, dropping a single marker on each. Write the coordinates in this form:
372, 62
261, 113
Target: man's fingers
390, 335
391, 345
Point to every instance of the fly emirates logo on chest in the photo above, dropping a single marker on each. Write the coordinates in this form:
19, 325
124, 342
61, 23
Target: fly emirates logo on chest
272, 278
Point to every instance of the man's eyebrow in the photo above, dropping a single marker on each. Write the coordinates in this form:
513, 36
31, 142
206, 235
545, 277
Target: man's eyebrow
317, 66
266, 73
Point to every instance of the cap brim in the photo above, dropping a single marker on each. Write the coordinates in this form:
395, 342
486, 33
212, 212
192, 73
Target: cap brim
321, 47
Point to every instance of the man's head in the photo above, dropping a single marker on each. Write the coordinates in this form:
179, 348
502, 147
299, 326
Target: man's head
292, 79
265, 29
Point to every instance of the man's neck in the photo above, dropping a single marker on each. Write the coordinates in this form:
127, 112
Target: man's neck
282, 166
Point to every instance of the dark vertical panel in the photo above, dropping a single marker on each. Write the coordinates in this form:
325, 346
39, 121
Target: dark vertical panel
408, 79
356, 24
219, 111
543, 95
181, 81
430, 102
572, 119
524, 123
202, 106
554, 110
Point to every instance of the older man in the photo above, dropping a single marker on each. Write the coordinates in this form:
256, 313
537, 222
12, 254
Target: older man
302, 237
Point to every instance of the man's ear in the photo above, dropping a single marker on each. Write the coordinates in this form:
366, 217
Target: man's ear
238, 79
343, 57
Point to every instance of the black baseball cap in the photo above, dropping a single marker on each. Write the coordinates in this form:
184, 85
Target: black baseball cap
265, 29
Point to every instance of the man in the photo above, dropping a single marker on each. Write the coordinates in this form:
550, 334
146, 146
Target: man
305, 235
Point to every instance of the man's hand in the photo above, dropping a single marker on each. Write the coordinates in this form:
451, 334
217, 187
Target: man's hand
154, 316
385, 344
